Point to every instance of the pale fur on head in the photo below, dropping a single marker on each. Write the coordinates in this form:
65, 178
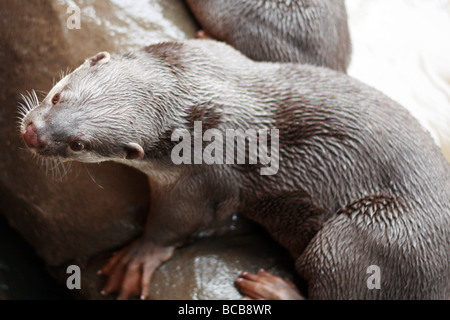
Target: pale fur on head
116, 105
119, 105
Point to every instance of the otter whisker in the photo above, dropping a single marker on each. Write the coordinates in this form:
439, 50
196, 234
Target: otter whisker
36, 99
65, 172
43, 93
45, 164
58, 170
29, 100
21, 113
40, 162
24, 103
68, 70
46, 167
90, 175
23, 107
55, 169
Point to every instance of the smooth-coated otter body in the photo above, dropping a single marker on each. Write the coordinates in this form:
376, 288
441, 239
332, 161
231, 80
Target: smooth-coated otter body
351, 190
303, 31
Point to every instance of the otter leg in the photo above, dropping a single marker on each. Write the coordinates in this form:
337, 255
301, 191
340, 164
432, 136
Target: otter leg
367, 250
377, 247
176, 213
266, 286
292, 219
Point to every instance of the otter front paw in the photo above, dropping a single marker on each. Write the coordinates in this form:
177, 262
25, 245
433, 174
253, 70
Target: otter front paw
266, 286
130, 270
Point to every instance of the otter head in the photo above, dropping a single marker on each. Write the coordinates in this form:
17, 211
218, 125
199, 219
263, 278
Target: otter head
107, 109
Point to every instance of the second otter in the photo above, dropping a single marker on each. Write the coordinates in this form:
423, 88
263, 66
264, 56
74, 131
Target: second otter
304, 31
352, 190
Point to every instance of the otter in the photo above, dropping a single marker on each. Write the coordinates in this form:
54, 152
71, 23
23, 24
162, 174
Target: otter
358, 185
304, 31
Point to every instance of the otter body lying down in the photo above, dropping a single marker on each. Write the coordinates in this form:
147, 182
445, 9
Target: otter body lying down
356, 181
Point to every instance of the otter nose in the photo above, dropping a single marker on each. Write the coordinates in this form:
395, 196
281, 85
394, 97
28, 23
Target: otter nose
30, 137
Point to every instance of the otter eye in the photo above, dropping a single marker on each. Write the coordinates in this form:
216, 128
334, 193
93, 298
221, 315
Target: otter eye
56, 98
76, 145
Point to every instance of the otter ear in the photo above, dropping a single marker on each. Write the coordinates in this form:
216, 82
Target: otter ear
99, 58
134, 151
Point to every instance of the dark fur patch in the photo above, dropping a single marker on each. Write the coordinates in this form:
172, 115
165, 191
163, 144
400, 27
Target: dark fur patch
298, 123
208, 114
205, 113
376, 207
129, 55
163, 148
169, 53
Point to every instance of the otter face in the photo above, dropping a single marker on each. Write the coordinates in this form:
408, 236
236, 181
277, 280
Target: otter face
88, 115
